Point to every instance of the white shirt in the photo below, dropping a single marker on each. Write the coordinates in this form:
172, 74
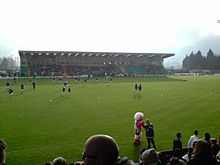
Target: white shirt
191, 140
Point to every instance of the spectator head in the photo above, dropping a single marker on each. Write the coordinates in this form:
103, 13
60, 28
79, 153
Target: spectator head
147, 121
78, 163
100, 150
178, 135
207, 135
141, 152
196, 132
214, 147
59, 161
202, 148
150, 156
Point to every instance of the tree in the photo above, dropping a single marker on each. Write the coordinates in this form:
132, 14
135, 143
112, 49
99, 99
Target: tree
209, 60
186, 62
8, 64
198, 61
192, 60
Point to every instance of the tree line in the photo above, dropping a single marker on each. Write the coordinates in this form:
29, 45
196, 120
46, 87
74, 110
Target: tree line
8, 65
199, 61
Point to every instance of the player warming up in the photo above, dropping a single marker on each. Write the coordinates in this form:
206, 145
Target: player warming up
63, 90
10, 92
135, 90
69, 90
22, 88
138, 123
33, 84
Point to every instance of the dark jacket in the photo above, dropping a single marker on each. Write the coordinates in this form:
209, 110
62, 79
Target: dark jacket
201, 160
149, 130
177, 143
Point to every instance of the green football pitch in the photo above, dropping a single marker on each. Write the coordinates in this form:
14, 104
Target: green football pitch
40, 124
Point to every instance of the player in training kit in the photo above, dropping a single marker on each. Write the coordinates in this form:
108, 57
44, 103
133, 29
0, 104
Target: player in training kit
33, 84
110, 79
65, 83
7, 85
69, 90
63, 90
14, 79
140, 87
10, 91
139, 90
97, 79
22, 88
135, 90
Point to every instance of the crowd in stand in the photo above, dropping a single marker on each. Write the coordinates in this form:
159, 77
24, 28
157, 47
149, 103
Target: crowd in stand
74, 70
103, 150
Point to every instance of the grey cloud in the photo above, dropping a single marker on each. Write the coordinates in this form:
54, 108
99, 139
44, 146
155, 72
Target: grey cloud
198, 43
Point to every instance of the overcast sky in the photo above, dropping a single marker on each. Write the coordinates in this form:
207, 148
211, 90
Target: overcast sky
158, 26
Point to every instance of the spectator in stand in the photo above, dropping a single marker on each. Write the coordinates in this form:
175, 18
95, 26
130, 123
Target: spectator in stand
202, 154
149, 133
188, 155
190, 152
59, 161
3, 146
177, 159
193, 138
100, 150
177, 143
218, 140
207, 138
150, 157
218, 157
214, 147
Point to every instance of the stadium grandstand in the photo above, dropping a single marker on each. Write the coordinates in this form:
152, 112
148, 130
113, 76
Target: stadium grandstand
71, 63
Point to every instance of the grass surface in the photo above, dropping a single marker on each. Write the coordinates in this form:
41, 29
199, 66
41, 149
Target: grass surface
37, 129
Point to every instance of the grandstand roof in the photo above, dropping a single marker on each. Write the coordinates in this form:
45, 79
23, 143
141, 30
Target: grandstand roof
95, 54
